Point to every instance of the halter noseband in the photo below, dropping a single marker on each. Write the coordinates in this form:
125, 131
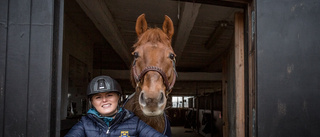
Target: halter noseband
139, 77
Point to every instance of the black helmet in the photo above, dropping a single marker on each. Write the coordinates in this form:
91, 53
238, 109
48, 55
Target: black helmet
103, 84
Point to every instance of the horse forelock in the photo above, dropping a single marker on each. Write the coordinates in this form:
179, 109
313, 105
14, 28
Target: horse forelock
153, 35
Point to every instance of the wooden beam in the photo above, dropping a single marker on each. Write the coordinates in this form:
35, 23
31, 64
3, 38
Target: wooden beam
175, 92
226, 3
215, 59
116, 74
100, 15
225, 127
199, 76
188, 17
239, 74
190, 92
181, 87
206, 85
182, 76
251, 72
219, 30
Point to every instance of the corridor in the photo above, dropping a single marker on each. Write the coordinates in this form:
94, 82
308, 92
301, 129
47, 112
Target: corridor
180, 131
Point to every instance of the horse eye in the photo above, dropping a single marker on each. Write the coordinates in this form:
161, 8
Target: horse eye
136, 54
171, 56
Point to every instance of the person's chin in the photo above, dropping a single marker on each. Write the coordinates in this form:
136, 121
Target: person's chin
108, 113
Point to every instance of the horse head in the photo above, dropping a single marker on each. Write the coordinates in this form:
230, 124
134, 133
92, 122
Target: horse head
153, 69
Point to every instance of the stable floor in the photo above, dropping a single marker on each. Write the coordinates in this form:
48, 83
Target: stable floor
180, 131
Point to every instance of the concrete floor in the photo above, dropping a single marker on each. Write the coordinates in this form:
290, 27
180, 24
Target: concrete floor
180, 131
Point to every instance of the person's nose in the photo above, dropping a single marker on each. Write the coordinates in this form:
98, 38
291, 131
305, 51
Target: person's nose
104, 99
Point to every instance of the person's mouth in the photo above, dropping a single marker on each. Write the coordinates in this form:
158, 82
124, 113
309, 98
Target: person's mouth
106, 105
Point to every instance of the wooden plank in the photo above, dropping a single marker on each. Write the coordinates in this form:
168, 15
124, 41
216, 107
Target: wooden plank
225, 128
40, 68
188, 17
100, 15
239, 1
15, 113
239, 75
199, 76
3, 48
226, 3
251, 73
198, 85
182, 76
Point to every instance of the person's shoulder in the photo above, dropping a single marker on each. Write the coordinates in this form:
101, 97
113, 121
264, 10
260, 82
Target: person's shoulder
86, 118
129, 115
128, 112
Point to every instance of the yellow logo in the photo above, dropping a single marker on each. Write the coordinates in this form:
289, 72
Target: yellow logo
124, 134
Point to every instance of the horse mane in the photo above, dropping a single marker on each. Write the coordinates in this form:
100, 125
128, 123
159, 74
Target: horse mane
153, 35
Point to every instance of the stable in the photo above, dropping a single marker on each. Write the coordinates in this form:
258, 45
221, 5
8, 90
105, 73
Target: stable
245, 67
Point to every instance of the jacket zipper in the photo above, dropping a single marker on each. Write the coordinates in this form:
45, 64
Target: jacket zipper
108, 130
121, 117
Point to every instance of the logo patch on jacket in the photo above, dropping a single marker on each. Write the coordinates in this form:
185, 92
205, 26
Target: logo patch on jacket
124, 134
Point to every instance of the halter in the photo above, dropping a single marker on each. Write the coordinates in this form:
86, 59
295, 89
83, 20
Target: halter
139, 77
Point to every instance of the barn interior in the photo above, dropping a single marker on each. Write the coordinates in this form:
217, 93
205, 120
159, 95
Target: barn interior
98, 39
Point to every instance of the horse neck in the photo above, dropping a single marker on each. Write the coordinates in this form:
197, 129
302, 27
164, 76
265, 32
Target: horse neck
157, 122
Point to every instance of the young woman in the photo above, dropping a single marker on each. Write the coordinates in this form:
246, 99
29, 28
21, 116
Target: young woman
106, 118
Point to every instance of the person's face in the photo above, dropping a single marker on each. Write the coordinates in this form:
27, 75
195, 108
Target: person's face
105, 103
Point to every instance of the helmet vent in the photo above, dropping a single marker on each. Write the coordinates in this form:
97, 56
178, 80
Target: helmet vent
102, 84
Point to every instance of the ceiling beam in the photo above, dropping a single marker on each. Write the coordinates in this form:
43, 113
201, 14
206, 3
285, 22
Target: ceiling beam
221, 55
100, 15
188, 17
226, 3
182, 76
182, 87
219, 30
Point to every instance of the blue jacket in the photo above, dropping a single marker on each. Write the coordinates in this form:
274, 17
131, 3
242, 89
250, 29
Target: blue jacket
125, 124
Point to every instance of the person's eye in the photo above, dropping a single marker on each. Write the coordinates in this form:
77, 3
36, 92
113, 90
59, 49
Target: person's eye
97, 97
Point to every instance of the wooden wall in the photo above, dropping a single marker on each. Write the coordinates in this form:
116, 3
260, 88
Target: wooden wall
29, 62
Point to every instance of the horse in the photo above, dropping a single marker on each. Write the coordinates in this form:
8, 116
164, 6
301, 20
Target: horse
153, 72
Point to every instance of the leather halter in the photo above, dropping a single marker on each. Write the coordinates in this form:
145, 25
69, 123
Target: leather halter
139, 77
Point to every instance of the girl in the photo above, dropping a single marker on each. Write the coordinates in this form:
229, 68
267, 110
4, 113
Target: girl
106, 118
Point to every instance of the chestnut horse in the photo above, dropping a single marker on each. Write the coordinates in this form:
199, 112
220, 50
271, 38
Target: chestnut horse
153, 72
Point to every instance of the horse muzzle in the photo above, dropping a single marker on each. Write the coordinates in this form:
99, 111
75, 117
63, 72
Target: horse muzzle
152, 106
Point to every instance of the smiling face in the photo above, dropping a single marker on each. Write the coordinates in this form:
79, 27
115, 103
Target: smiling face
106, 103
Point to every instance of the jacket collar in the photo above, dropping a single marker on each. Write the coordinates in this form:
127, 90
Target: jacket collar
107, 120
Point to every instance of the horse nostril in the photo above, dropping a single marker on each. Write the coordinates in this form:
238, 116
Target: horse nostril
141, 99
161, 101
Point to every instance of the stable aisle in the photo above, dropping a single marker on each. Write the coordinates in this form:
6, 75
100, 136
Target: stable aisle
180, 131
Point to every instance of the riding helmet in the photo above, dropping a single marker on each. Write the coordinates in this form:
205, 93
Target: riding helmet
103, 84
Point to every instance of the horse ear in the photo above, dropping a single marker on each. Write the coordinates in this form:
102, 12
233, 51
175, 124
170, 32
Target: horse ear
167, 26
141, 24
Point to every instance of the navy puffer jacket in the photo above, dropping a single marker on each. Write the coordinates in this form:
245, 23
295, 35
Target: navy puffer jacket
125, 124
